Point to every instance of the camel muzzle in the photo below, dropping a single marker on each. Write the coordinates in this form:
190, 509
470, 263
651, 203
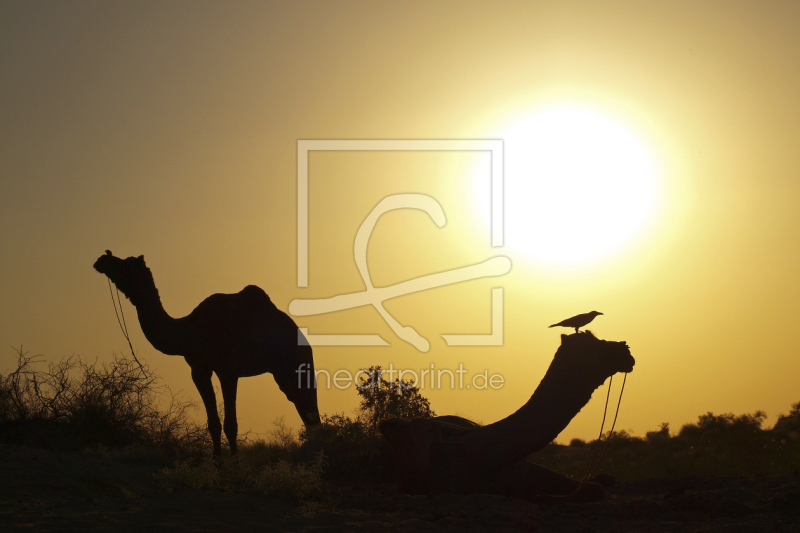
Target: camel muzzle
629, 365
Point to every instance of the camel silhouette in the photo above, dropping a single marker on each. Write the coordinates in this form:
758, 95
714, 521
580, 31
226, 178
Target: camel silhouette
230, 335
452, 454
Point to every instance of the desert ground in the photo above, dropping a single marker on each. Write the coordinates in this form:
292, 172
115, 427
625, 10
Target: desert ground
45, 490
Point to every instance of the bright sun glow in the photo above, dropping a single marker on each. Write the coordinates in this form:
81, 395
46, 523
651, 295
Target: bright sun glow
579, 186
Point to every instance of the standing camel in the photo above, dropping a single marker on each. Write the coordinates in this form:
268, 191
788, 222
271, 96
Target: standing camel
230, 335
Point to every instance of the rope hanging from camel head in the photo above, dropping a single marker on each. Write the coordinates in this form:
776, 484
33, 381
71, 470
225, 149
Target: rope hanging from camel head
122, 325
592, 471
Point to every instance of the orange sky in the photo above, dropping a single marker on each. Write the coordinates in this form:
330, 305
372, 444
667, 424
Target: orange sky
171, 130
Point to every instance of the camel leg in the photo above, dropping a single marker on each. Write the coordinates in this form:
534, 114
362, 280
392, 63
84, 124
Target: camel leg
202, 380
229, 385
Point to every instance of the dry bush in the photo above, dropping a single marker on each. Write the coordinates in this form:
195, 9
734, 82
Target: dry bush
382, 400
355, 448
73, 404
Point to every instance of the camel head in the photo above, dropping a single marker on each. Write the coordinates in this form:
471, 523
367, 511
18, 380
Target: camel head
131, 275
593, 359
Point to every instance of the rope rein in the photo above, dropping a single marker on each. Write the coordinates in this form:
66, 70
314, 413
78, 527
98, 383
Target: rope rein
599, 438
122, 325
611, 433
592, 471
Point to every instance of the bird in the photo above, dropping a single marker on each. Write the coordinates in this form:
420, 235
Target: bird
577, 321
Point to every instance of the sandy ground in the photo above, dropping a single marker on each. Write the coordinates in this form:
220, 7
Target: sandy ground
43, 490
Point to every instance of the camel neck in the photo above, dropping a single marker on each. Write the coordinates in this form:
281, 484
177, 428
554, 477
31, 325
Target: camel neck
558, 398
158, 327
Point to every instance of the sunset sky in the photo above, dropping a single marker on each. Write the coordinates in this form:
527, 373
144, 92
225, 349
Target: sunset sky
171, 129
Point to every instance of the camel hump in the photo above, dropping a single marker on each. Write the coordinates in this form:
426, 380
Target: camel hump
255, 291
257, 298
457, 421
389, 428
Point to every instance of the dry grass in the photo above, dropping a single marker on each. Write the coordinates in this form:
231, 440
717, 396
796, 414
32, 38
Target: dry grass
72, 404
290, 481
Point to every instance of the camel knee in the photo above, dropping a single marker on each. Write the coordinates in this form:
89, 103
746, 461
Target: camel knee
231, 428
214, 427
231, 432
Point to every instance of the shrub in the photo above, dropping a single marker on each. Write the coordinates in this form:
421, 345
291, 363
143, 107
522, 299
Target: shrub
662, 433
75, 405
716, 445
354, 446
788, 426
383, 400
353, 451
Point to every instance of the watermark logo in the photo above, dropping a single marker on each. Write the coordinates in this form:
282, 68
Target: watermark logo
375, 296
422, 379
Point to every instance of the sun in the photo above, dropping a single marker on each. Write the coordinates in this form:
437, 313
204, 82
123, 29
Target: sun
580, 186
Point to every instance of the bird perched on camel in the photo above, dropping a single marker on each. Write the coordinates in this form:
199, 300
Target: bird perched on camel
577, 321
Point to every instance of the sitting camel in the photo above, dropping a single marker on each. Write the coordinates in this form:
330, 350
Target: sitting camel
231, 335
452, 454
